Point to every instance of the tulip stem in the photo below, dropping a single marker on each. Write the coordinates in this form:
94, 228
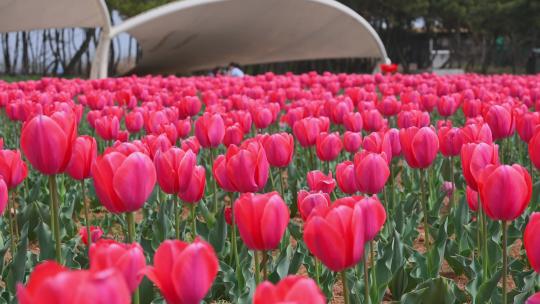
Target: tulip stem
425, 208
130, 227
505, 260
485, 266
11, 230
193, 221
257, 267
452, 179
15, 222
86, 216
478, 232
176, 216
392, 187
366, 280
282, 185
214, 183
264, 264
131, 238
272, 179
235, 247
345, 287
312, 158
327, 167
55, 221
373, 270
317, 271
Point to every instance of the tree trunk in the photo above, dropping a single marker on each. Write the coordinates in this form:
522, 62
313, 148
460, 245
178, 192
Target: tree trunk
25, 59
70, 67
6, 51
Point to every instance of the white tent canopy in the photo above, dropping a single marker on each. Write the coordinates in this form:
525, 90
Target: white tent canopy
193, 35
25, 15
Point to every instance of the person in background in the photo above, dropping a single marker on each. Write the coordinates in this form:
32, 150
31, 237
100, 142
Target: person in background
234, 70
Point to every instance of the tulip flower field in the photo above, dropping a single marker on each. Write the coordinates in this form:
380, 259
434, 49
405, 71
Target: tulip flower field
312, 188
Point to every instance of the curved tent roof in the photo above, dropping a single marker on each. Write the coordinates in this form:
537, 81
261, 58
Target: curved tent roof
193, 35
24, 15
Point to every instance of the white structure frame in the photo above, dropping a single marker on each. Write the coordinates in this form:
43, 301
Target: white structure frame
101, 62
20, 15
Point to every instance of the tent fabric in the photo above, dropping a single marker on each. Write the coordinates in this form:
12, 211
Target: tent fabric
194, 35
25, 15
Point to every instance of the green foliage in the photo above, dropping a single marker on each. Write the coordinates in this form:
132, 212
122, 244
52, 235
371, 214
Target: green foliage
130, 8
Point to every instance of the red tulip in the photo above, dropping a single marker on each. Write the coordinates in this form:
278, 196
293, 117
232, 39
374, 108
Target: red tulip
189, 106
107, 127
3, 196
413, 118
309, 201
526, 125
183, 127
191, 143
472, 107
338, 109
242, 169
474, 133
84, 153
352, 141
227, 212
389, 106
12, 168
306, 130
500, 121
169, 130
184, 272
292, 289
52, 283
196, 186
123, 183
373, 120
262, 117
95, 232
419, 146
173, 167
353, 122
134, 121
374, 216
317, 181
127, 259
390, 142
157, 143
47, 141
261, 219
210, 130
329, 146
534, 299
336, 236
233, 135
345, 177
371, 172
472, 198
373, 142
474, 158
534, 148
450, 140
279, 148
447, 106
531, 240
372, 209
505, 191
